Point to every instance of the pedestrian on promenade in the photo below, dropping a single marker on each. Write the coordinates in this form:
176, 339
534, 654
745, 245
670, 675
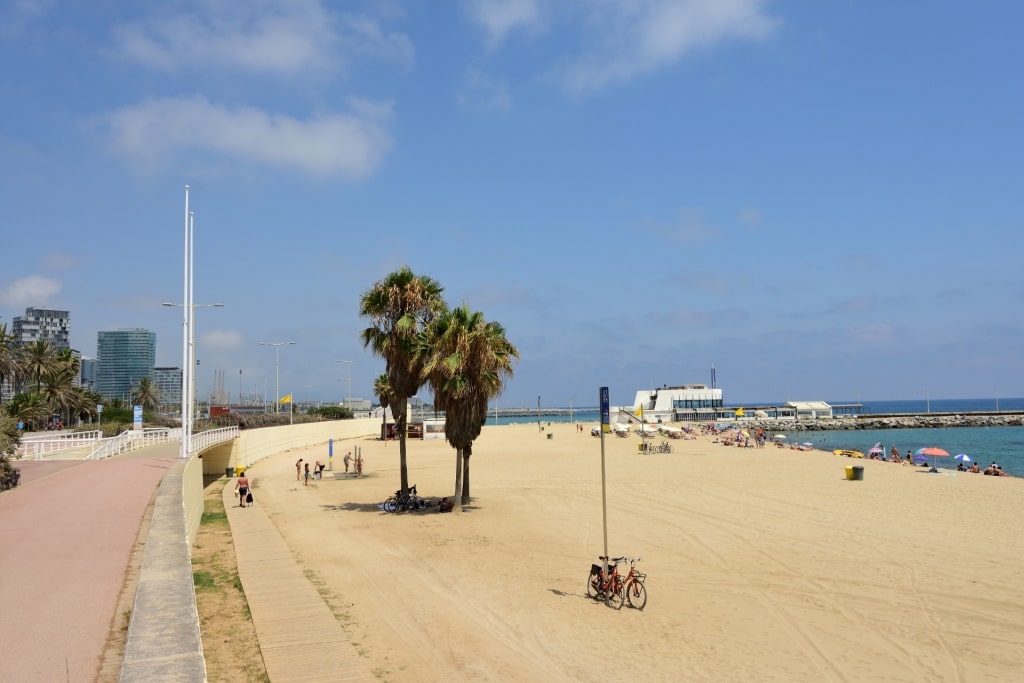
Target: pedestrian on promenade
298, 469
242, 486
359, 465
307, 474
347, 459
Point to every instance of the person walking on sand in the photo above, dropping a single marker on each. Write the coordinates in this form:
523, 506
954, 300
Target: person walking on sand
298, 469
347, 459
242, 486
306, 474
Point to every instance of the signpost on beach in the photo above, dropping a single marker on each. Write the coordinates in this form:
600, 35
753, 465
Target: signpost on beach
604, 489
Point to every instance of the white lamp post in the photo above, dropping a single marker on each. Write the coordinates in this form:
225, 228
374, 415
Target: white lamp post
188, 373
277, 371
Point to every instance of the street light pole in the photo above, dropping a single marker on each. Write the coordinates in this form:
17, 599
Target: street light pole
188, 370
277, 371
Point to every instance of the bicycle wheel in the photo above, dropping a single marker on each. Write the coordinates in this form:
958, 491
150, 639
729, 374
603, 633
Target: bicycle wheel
594, 586
636, 593
389, 504
617, 596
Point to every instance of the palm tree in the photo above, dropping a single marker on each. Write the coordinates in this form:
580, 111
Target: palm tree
39, 359
31, 409
466, 360
382, 390
147, 394
399, 307
60, 391
10, 359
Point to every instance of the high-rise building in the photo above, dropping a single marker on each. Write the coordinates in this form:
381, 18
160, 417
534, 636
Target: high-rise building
168, 382
42, 324
88, 374
123, 357
39, 324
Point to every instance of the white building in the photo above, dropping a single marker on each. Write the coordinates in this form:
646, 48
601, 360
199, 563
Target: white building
671, 404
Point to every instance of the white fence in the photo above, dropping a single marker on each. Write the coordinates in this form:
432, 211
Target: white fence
38, 445
133, 440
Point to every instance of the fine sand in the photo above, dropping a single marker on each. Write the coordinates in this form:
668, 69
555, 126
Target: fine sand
762, 564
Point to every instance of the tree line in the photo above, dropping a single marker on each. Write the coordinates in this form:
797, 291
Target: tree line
43, 380
464, 359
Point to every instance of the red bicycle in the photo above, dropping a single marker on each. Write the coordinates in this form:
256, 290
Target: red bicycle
633, 585
608, 585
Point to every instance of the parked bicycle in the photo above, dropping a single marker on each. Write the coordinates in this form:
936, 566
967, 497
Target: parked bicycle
408, 501
615, 587
633, 585
607, 586
663, 447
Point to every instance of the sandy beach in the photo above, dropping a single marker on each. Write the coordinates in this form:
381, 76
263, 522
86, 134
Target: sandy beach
762, 564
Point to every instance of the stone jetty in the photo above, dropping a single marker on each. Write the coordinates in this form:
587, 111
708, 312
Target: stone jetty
900, 421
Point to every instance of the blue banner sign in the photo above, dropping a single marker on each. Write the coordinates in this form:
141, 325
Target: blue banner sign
604, 407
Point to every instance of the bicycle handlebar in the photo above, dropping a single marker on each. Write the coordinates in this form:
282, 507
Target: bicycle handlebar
619, 560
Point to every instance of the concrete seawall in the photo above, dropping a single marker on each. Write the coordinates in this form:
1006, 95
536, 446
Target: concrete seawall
164, 640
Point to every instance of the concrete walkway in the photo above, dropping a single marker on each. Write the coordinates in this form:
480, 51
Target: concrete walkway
299, 637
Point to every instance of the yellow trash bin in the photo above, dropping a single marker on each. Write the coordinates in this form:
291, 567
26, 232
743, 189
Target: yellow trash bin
239, 471
849, 472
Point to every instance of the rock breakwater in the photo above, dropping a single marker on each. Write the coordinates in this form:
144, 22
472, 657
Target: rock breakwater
892, 422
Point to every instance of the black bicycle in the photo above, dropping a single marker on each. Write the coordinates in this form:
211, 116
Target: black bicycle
400, 502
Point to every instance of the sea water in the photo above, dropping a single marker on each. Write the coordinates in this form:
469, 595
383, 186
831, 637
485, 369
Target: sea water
1004, 445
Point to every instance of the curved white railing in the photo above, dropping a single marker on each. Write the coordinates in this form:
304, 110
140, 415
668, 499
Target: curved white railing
133, 440
212, 437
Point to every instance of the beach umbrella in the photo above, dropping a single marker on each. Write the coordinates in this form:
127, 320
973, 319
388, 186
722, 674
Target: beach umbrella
962, 457
876, 449
779, 436
932, 452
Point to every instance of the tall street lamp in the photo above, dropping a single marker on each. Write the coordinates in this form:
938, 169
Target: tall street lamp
277, 370
188, 373
348, 396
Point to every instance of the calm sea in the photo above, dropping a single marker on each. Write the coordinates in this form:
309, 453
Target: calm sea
1004, 445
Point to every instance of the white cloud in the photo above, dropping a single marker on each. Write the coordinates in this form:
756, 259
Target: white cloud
635, 37
275, 36
34, 290
482, 92
500, 17
221, 340
331, 144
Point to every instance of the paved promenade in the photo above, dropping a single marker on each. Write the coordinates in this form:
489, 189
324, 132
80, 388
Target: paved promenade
66, 534
299, 637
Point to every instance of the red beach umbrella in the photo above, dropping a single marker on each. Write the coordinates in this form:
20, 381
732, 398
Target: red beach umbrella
934, 452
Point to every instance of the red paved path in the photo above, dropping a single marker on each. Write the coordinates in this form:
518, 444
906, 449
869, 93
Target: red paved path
66, 535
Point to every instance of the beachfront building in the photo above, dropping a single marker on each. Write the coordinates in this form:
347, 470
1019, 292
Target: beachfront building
808, 410
689, 402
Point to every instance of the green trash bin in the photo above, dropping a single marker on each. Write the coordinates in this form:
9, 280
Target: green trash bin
229, 471
858, 473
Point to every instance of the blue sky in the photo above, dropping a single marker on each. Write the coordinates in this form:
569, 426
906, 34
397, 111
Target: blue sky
822, 200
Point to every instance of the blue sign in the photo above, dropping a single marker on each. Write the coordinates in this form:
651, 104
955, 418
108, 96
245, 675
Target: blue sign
138, 417
604, 406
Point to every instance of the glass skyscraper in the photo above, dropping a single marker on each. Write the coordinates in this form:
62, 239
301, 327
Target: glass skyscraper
123, 357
